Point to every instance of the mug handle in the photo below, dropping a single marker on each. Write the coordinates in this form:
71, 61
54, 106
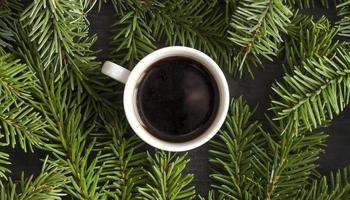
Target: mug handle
115, 71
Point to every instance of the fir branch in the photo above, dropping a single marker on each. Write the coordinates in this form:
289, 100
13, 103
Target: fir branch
20, 123
188, 23
84, 177
313, 94
253, 164
196, 24
343, 8
232, 153
16, 79
132, 39
256, 29
121, 158
71, 105
95, 88
335, 187
166, 179
66, 138
9, 12
60, 31
307, 39
227, 7
286, 164
230, 7
19, 116
70, 145
47, 185
122, 167
4, 162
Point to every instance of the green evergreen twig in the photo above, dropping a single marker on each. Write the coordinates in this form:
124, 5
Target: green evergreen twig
343, 8
9, 12
69, 143
315, 92
196, 24
307, 38
256, 28
123, 166
250, 163
132, 39
20, 121
46, 185
60, 32
335, 187
166, 178
4, 166
231, 154
287, 163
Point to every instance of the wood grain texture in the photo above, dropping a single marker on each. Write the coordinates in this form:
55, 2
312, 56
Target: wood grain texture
255, 91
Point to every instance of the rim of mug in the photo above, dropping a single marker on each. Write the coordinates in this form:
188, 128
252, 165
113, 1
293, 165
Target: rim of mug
130, 90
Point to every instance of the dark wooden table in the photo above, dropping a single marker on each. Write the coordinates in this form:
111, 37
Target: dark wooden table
256, 92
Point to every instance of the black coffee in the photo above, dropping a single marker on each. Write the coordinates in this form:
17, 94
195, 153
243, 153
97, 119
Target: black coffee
177, 99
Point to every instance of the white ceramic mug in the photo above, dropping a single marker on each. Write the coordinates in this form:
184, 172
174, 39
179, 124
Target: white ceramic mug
132, 78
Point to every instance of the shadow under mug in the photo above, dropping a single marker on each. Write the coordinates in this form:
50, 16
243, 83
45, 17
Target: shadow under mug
132, 78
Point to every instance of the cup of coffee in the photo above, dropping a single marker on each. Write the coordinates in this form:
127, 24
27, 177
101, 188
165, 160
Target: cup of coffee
175, 99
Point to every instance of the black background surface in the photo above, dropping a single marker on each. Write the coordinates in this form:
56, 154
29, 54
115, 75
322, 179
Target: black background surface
255, 91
